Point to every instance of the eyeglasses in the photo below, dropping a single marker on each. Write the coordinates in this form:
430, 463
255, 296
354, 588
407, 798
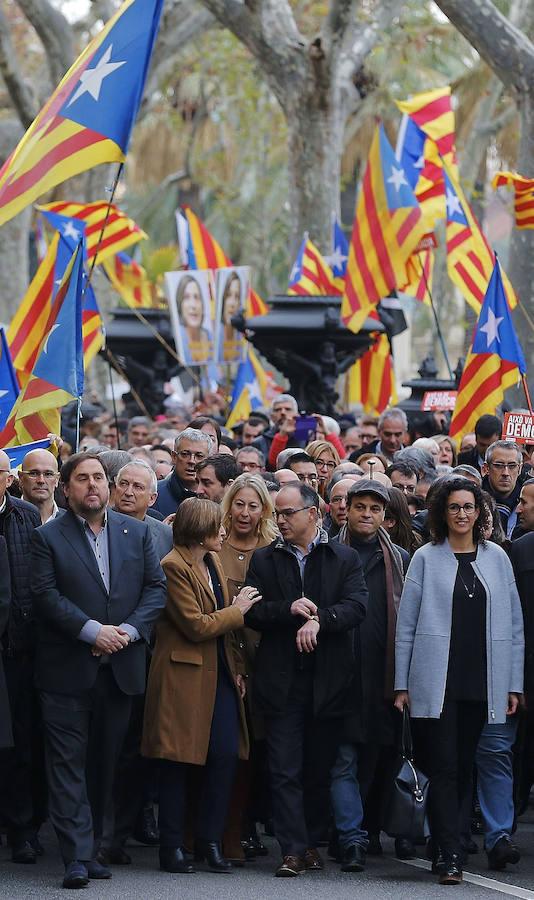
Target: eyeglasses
467, 508
187, 454
406, 488
287, 513
322, 464
500, 466
313, 479
250, 466
34, 473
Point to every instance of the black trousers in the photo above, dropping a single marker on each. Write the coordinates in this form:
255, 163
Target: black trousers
23, 801
83, 738
217, 781
301, 750
445, 750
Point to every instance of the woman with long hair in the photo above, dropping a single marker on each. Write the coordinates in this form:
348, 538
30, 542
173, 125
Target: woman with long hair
194, 713
247, 514
459, 652
326, 458
398, 522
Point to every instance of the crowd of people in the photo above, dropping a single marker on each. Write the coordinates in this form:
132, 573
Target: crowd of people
208, 634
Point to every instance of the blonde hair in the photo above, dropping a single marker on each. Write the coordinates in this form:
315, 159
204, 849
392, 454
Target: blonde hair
267, 529
315, 448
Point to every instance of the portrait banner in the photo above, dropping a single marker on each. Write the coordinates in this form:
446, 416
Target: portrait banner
190, 302
231, 291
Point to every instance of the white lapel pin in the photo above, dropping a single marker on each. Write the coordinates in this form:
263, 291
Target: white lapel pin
125, 531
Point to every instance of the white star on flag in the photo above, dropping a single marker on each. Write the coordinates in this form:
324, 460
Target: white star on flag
295, 271
91, 80
69, 231
491, 327
3, 394
453, 204
397, 178
49, 335
419, 164
254, 392
336, 260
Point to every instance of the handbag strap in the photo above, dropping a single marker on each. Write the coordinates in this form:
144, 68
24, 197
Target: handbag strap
406, 738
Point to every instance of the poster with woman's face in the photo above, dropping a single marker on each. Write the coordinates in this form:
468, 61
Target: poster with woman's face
231, 291
189, 296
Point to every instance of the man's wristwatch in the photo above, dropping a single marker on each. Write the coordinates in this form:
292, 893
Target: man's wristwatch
315, 619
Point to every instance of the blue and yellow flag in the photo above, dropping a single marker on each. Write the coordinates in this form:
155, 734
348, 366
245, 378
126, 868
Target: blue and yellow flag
9, 385
249, 389
89, 118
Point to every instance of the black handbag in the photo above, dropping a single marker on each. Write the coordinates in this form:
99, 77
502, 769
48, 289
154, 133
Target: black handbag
405, 809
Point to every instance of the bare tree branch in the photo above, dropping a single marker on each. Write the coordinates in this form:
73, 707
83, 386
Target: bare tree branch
20, 93
499, 42
55, 34
340, 14
360, 39
182, 24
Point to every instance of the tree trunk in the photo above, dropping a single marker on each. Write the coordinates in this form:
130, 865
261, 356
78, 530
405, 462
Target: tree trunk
315, 142
522, 249
14, 243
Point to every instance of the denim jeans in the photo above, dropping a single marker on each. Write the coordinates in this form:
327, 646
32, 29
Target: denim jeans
495, 779
346, 799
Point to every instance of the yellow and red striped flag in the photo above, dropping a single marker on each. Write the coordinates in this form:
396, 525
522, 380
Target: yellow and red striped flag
371, 379
89, 117
205, 252
420, 269
57, 376
27, 327
432, 112
120, 231
470, 259
387, 228
311, 274
131, 281
494, 363
523, 196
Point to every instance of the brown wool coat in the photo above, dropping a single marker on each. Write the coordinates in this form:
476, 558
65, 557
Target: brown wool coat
183, 672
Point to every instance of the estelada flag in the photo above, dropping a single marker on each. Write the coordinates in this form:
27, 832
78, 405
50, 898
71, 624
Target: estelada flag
89, 118
523, 196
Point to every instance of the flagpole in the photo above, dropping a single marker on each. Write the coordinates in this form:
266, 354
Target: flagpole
78, 417
113, 189
527, 393
436, 320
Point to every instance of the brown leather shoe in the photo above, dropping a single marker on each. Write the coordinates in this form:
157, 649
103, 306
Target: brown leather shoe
291, 865
313, 860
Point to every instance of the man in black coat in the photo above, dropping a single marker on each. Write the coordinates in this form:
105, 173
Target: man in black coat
487, 431
98, 588
6, 734
313, 595
22, 791
369, 738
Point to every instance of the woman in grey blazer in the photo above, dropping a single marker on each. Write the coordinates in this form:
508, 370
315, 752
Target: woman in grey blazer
459, 651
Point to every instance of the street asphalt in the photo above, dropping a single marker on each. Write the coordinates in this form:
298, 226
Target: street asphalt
385, 878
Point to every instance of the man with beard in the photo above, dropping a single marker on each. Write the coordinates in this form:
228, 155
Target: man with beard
97, 589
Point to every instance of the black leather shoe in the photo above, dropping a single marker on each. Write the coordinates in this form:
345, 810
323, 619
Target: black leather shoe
353, 858
504, 851
96, 870
23, 852
172, 859
452, 870
211, 852
146, 829
37, 846
374, 847
404, 849
254, 846
113, 856
75, 875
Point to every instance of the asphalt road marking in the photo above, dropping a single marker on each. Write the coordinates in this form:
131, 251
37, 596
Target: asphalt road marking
511, 889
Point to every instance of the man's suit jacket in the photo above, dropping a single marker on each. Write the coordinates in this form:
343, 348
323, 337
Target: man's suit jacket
161, 535
67, 591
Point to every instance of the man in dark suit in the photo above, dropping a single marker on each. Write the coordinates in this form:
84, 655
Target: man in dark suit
97, 588
314, 594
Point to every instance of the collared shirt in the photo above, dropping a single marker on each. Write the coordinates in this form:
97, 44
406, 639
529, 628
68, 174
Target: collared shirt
3, 505
302, 556
100, 546
55, 510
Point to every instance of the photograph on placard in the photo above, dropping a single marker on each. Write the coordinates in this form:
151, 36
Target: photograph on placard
189, 296
231, 291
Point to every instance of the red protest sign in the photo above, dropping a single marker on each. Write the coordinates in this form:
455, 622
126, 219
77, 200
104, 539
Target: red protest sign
518, 427
439, 400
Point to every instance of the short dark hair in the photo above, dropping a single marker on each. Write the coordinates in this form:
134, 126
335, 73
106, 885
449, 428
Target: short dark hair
254, 421
437, 509
487, 426
162, 447
403, 468
224, 466
199, 421
75, 460
301, 456
195, 520
308, 496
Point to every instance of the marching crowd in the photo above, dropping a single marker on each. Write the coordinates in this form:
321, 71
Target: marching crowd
204, 636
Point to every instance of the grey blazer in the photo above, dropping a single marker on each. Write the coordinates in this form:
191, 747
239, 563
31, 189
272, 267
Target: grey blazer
424, 629
161, 535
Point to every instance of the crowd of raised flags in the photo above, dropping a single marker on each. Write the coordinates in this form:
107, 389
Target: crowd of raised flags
88, 120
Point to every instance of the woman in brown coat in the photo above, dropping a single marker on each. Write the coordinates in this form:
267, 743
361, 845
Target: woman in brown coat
247, 511
194, 711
